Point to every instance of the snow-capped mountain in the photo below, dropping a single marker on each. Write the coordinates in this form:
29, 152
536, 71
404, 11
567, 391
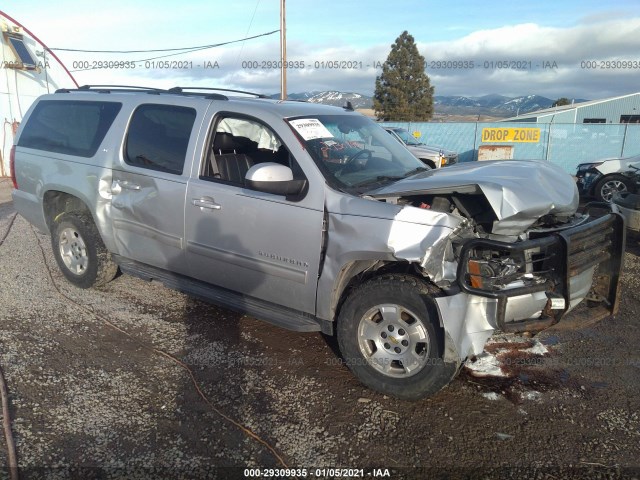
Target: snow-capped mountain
497, 105
341, 98
332, 97
493, 104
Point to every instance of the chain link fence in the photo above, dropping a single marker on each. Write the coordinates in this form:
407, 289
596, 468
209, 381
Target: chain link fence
565, 144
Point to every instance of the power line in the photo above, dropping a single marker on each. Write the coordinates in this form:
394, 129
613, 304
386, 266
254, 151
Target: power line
201, 47
248, 29
182, 52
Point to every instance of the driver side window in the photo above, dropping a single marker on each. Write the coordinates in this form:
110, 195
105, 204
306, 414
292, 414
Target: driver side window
239, 143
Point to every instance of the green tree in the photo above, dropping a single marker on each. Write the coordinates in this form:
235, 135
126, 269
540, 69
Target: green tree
561, 101
403, 91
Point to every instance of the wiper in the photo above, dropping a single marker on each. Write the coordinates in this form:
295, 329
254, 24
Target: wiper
414, 171
382, 178
378, 179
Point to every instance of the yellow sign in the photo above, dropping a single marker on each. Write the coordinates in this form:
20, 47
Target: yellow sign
417, 134
511, 135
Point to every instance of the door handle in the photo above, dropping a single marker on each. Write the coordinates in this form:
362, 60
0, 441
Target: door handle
206, 202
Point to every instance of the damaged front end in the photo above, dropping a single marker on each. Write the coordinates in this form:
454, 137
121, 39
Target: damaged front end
509, 267
535, 282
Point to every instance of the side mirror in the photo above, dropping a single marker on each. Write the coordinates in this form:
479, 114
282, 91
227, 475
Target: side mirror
273, 178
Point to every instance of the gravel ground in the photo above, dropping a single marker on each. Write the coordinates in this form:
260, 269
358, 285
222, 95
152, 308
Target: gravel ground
93, 392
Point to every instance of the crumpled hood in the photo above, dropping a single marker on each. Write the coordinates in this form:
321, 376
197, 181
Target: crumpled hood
519, 191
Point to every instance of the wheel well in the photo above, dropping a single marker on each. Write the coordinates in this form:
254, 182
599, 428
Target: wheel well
356, 273
55, 203
430, 163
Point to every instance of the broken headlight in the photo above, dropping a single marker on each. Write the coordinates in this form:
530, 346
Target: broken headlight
496, 270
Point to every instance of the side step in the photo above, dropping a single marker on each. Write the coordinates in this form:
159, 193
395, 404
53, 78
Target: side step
260, 309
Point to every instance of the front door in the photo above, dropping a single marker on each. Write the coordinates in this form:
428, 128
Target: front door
258, 244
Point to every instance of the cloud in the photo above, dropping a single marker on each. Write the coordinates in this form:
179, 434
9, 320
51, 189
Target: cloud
548, 61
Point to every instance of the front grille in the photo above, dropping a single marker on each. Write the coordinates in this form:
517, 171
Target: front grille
590, 244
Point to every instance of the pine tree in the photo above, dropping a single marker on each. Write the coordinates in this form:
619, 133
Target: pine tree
403, 91
561, 101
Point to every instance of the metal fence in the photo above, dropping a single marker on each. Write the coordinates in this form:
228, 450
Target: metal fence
565, 144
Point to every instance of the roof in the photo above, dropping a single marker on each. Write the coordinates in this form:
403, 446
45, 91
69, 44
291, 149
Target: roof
283, 108
564, 108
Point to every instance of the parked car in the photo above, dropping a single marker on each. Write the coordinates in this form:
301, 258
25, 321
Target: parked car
313, 218
434, 157
603, 178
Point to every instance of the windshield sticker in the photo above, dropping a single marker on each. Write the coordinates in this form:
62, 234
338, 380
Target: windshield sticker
310, 128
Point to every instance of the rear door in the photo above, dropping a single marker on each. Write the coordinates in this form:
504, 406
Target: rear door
150, 184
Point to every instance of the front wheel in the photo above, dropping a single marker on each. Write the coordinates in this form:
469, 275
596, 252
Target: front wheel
610, 185
390, 338
80, 252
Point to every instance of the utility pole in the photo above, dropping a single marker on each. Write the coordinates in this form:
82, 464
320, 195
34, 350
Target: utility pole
283, 52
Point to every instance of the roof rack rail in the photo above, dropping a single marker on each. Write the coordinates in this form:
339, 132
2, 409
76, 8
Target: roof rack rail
118, 87
109, 88
192, 91
182, 90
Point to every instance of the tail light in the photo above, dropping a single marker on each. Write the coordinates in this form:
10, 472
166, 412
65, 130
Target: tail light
12, 166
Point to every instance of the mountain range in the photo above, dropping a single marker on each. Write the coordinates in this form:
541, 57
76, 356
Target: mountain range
493, 104
332, 97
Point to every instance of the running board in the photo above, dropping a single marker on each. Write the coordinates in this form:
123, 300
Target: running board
260, 309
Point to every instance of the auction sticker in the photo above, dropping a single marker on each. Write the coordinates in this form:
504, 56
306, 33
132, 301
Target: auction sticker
310, 128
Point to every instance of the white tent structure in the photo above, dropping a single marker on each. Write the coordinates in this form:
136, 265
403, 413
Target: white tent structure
29, 69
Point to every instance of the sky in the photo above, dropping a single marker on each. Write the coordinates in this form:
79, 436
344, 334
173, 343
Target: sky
579, 49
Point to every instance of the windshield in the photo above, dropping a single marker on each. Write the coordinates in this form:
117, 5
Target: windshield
354, 152
406, 137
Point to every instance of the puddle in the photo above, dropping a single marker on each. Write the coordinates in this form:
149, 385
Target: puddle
517, 368
550, 341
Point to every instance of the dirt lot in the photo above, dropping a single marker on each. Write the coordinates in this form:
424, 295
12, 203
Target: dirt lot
93, 392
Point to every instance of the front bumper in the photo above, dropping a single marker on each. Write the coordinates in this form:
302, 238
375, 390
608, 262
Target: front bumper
576, 263
586, 181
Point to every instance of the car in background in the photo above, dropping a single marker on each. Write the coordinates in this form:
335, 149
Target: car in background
604, 178
434, 157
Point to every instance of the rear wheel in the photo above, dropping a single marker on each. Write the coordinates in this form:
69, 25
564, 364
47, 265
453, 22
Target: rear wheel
80, 252
611, 184
390, 338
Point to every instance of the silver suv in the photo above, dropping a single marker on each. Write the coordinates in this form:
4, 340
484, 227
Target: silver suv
313, 218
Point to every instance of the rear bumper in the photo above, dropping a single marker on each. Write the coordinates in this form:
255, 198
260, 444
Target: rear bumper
30, 207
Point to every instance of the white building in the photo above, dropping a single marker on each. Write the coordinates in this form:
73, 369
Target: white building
29, 69
622, 109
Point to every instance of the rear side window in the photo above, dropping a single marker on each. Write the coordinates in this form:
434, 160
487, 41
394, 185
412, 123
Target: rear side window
158, 137
69, 126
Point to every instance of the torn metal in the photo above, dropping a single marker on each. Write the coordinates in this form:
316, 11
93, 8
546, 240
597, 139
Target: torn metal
515, 222
519, 192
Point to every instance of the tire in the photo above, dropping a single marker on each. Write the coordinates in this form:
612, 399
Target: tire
80, 252
607, 186
388, 319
